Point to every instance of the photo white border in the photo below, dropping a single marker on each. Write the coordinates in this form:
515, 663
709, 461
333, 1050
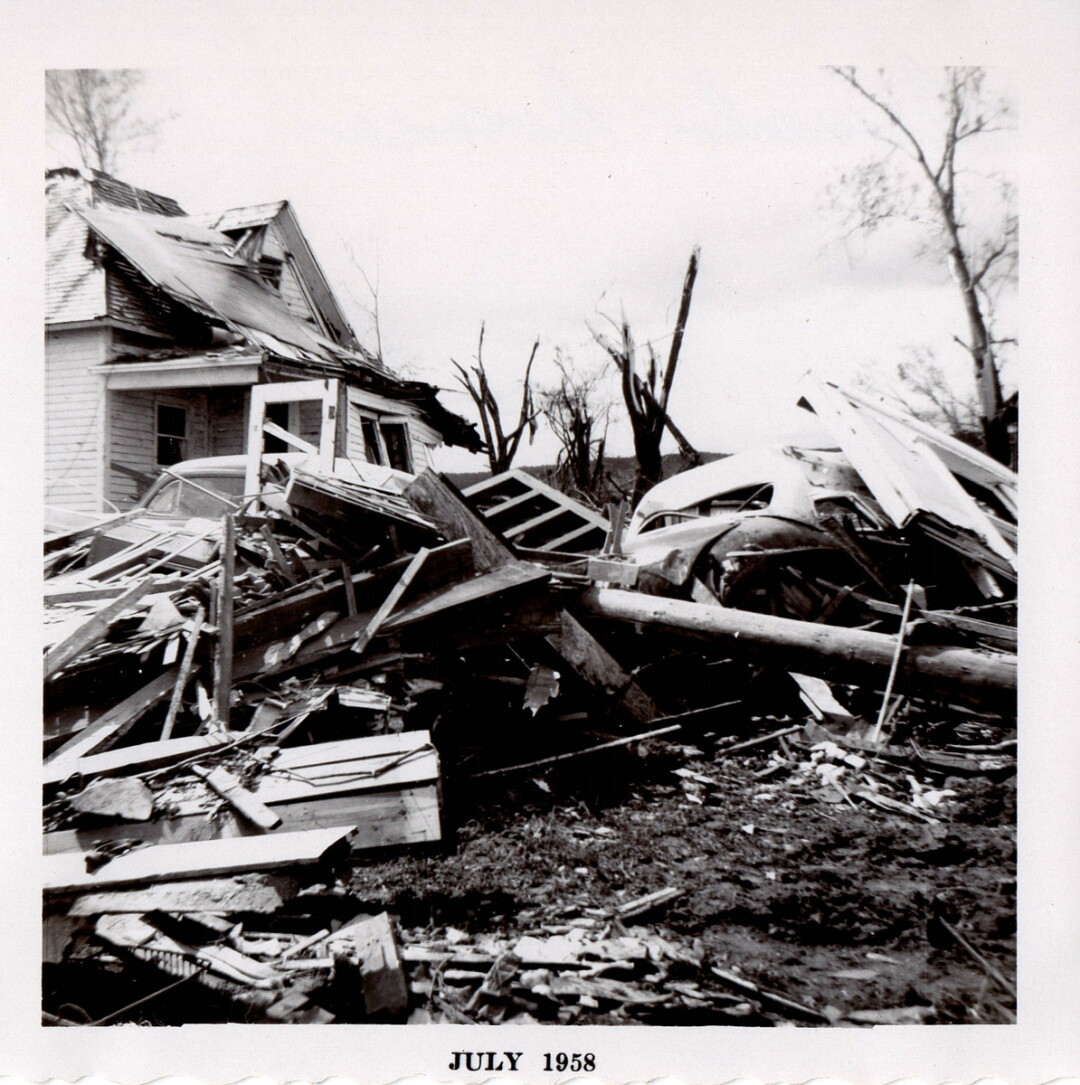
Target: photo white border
1041, 41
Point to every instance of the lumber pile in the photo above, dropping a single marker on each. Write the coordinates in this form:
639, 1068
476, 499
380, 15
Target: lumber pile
223, 737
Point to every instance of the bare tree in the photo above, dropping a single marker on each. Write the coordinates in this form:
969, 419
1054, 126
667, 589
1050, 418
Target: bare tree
369, 308
646, 397
94, 108
500, 445
577, 411
923, 390
929, 193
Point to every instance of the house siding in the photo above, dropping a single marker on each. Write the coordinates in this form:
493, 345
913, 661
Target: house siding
227, 409
310, 428
133, 440
75, 409
291, 291
292, 239
422, 438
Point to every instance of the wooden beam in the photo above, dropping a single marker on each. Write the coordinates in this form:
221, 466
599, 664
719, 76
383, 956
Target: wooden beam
67, 872
591, 661
509, 503
259, 893
519, 575
562, 540
223, 659
537, 521
382, 819
392, 599
186, 665
131, 760
92, 630
247, 805
438, 499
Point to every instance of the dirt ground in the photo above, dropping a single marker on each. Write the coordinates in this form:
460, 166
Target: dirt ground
834, 905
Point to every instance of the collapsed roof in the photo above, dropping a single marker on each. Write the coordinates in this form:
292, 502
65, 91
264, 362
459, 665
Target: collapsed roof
201, 262
195, 265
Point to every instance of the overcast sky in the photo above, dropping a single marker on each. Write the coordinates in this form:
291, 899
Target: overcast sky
510, 172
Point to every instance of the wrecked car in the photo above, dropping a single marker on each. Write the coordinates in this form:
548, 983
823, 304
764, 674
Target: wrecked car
189, 498
789, 531
751, 526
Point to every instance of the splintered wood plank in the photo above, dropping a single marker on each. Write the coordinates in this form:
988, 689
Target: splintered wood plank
440, 500
497, 582
92, 630
518, 576
383, 819
394, 597
186, 665
444, 564
408, 815
107, 729
259, 893
170, 862
147, 755
370, 941
597, 666
223, 655
246, 804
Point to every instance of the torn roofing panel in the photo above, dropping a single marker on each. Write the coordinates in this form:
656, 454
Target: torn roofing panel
961, 459
75, 286
191, 263
241, 218
903, 470
119, 193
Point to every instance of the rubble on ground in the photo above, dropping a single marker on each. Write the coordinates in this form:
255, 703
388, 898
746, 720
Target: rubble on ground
351, 677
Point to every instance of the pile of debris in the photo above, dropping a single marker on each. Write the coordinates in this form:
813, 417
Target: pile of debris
240, 709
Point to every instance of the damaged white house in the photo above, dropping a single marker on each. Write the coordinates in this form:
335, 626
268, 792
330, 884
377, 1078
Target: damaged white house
159, 324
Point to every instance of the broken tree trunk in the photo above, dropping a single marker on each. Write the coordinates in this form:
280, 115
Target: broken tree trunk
850, 654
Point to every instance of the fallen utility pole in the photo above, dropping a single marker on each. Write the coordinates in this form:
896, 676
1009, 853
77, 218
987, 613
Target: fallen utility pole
847, 654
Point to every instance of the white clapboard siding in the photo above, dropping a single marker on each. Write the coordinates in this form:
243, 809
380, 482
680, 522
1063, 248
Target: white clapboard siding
74, 419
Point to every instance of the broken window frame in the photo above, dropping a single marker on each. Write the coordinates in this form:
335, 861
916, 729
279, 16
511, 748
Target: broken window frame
327, 392
288, 418
374, 428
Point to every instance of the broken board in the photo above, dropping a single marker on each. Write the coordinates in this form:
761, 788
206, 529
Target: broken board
67, 872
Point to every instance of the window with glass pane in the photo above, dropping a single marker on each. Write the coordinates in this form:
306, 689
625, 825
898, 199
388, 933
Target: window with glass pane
396, 439
171, 434
372, 448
